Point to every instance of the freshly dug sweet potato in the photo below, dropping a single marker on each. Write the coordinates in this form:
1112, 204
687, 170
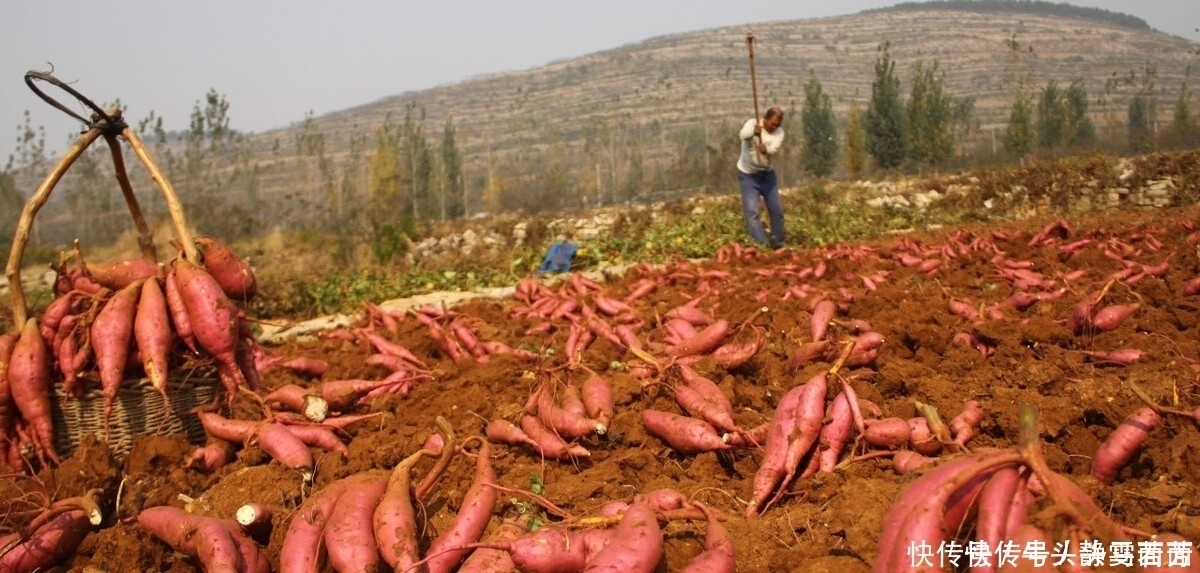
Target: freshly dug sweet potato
233, 273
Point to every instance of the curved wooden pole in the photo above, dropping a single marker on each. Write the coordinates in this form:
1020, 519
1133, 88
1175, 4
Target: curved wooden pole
173, 204
145, 237
35, 203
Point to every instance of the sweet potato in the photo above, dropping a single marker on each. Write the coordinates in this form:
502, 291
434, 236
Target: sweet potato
152, 333
502, 431
549, 444
917, 514
822, 313
111, 334
636, 546
211, 457
704, 341
179, 313
1123, 444
696, 406
277, 441
705, 387
597, 395
718, 555
835, 433
8, 341
29, 386
565, 423
213, 319
47, 545
298, 399
232, 273
349, 536
995, 501
319, 436
794, 429
120, 274
301, 551
684, 434
394, 520
218, 426
887, 432
473, 515
487, 560
211, 541
552, 549
964, 425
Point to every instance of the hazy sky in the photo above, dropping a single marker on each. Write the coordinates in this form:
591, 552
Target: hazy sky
277, 60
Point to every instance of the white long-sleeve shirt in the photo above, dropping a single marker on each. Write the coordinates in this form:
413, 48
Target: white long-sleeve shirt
751, 161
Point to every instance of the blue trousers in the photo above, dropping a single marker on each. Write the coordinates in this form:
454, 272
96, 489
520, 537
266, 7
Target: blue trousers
762, 184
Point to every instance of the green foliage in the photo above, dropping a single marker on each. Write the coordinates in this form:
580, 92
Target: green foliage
1139, 134
856, 143
1020, 137
1183, 120
930, 117
885, 126
820, 129
1062, 116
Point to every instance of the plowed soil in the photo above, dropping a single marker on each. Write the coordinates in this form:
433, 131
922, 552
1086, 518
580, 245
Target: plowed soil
830, 521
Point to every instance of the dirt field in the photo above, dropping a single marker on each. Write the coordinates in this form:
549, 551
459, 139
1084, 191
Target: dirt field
828, 522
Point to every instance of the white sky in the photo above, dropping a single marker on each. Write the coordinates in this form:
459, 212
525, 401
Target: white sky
277, 60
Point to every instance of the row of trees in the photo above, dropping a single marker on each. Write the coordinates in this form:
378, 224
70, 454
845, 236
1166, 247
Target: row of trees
929, 127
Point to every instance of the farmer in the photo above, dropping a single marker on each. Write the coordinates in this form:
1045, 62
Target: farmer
756, 177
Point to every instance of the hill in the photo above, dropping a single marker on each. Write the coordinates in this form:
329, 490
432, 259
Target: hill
651, 119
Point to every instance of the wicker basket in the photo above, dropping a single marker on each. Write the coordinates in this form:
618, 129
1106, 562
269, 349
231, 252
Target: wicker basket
138, 410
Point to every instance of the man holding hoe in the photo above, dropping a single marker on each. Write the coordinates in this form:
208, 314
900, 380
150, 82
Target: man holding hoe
760, 142
757, 178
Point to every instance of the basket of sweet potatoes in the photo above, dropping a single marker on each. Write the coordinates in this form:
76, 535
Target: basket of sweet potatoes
125, 348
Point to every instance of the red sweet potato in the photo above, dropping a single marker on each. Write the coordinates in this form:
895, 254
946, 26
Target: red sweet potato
232, 273
487, 560
887, 433
684, 434
50, 543
394, 519
29, 386
277, 441
636, 546
298, 399
549, 444
211, 541
8, 340
349, 536
152, 333
111, 334
120, 274
179, 313
718, 554
473, 515
597, 395
706, 340
1123, 444
213, 319
301, 551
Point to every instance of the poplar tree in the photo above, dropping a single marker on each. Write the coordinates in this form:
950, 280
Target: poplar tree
820, 129
885, 129
930, 117
856, 142
1020, 138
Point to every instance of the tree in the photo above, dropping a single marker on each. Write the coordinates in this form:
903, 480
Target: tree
386, 220
1051, 116
885, 129
1143, 113
1020, 137
856, 142
1183, 121
820, 129
930, 117
452, 193
1079, 124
